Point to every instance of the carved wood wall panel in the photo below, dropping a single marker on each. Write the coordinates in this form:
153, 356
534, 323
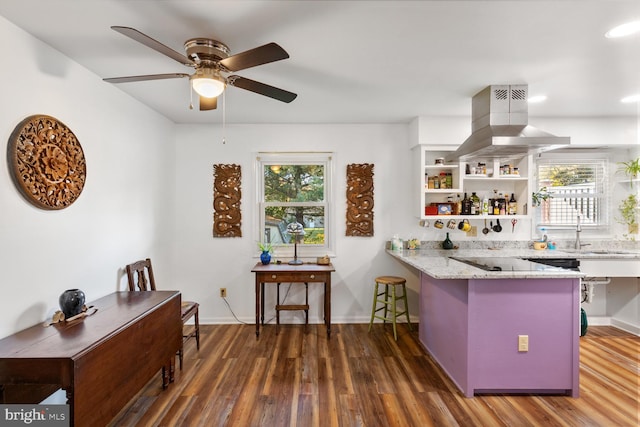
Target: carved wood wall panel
227, 192
47, 162
360, 200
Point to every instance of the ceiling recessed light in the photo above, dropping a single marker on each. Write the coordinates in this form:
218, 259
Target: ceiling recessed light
630, 99
537, 98
623, 30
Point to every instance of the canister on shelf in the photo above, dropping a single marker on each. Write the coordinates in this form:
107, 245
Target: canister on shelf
443, 180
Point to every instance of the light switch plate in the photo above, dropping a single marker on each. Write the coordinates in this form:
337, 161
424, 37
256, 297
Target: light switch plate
523, 343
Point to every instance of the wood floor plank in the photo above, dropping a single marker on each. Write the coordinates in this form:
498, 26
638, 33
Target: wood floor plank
362, 378
327, 396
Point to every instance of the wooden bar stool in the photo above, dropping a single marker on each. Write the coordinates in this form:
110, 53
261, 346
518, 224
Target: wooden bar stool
388, 298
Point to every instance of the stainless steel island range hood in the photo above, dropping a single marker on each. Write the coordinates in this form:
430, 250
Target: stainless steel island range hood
500, 129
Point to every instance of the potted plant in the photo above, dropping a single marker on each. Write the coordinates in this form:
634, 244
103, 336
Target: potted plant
629, 213
537, 197
631, 169
265, 255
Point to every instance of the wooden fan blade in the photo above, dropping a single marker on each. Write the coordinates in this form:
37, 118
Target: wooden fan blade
261, 88
153, 44
270, 52
145, 77
208, 103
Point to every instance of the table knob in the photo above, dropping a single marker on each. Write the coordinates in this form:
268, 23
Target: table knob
313, 276
273, 276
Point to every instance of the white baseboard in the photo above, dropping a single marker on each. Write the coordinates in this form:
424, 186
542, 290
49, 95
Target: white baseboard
599, 320
296, 320
625, 326
616, 323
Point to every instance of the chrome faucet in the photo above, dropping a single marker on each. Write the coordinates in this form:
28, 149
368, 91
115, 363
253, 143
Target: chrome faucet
579, 245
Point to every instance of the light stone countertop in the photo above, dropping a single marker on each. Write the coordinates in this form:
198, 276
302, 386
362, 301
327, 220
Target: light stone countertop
437, 263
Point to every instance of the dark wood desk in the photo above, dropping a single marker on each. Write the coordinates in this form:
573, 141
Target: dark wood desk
281, 273
101, 361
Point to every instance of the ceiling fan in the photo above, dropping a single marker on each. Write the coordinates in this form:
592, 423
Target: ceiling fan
212, 60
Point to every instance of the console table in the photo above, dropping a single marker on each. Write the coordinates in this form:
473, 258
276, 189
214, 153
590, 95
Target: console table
303, 273
101, 361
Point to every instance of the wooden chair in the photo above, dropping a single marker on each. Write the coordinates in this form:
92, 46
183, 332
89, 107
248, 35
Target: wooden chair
140, 274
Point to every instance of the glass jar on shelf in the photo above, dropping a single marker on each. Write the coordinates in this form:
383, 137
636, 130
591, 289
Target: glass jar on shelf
443, 180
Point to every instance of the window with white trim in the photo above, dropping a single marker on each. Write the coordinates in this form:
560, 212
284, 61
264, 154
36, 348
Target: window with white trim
576, 187
295, 187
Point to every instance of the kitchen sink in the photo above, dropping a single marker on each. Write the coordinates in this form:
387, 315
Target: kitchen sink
597, 252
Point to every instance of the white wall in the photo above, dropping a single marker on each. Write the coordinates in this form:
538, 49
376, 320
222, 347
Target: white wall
122, 213
204, 264
149, 193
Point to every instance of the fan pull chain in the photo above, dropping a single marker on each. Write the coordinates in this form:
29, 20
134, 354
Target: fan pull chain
190, 95
224, 117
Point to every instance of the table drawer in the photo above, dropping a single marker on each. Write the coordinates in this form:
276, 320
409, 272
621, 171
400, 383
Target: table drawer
274, 277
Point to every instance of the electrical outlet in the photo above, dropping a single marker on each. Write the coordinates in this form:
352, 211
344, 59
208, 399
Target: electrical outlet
223, 292
523, 343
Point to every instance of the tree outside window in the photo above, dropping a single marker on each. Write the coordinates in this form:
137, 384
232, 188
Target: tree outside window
294, 188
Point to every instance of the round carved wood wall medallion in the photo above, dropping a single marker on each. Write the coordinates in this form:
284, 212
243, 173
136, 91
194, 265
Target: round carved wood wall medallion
47, 162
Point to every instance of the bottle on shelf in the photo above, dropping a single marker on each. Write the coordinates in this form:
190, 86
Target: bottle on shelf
503, 205
458, 209
485, 205
466, 205
495, 203
482, 168
513, 205
475, 204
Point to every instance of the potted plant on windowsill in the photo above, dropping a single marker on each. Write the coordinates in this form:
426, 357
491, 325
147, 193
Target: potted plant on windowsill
629, 211
630, 169
542, 195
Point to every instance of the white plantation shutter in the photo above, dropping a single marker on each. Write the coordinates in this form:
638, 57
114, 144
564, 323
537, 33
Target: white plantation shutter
578, 188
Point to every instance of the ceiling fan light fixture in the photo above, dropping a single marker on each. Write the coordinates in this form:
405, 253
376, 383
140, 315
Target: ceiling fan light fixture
209, 85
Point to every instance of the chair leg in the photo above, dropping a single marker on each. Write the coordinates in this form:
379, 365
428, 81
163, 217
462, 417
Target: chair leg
165, 377
306, 312
277, 311
180, 354
386, 303
197, 324
393, 311
373, 309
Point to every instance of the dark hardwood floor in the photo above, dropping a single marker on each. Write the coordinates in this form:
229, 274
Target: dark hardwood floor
358, 378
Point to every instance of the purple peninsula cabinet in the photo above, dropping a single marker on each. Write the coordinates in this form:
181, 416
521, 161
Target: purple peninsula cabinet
500, 325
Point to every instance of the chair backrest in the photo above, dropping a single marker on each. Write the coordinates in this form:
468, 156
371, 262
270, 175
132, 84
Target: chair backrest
140, 274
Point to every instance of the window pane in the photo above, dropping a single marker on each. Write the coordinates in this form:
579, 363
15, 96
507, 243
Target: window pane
294, 183
577, 189
278, 217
